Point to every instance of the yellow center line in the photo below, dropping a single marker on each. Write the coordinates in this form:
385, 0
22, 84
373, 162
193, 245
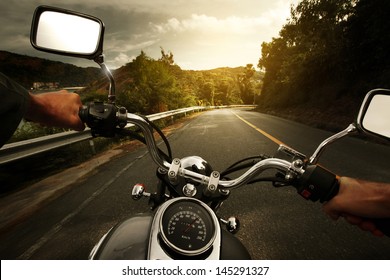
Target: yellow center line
269, 136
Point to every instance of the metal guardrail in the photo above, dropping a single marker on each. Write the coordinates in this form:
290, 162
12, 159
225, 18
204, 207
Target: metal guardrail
26, 148
22, 149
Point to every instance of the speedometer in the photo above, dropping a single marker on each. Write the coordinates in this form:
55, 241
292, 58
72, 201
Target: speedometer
187, 227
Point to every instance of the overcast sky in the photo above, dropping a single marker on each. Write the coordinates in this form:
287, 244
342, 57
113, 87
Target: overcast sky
201, 34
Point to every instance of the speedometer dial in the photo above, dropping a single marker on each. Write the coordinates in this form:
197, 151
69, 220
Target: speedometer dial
187, 227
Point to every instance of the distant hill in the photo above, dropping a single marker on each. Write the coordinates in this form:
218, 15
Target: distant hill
26, 70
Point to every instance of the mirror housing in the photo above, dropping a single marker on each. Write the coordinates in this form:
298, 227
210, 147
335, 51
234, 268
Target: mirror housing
70, 33
65, 32
374, 115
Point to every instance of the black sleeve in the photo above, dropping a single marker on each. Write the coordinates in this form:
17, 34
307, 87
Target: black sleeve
13, 106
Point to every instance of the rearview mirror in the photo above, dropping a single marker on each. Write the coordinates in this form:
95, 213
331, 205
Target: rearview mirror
66, 32
374, 115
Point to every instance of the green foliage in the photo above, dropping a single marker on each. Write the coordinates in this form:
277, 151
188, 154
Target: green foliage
327, 50
144, 85
368, 40
29, 130
147, 86
153, 88
247, 89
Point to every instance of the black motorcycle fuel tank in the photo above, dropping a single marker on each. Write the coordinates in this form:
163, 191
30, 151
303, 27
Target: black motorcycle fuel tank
129, 240
232, 248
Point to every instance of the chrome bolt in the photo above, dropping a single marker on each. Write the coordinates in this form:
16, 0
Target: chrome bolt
189, 190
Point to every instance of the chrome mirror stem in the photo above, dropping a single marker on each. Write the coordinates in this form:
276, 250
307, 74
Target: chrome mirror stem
107, 72
348, 131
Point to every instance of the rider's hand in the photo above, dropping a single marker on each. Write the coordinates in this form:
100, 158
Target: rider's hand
59, 109
363, 223
359, 201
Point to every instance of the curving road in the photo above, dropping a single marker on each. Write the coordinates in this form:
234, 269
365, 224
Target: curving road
276, 222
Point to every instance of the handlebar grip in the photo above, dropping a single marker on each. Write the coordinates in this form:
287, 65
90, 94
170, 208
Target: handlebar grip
103, 118
83, 114
317, 183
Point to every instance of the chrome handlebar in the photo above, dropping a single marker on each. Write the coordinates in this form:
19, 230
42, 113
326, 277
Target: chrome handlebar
292, 169
149, 138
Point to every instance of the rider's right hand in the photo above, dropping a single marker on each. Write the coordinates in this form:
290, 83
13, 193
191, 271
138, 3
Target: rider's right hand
361, 203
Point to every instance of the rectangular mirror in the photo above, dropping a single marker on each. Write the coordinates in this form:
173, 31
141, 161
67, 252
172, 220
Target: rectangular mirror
67, 33
374, 116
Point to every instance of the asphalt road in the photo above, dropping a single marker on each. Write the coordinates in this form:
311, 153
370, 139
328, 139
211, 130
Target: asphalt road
276, 223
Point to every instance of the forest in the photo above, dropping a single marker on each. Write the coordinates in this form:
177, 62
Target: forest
146, 85
326, 57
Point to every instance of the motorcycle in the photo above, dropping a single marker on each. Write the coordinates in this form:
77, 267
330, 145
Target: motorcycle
184, 223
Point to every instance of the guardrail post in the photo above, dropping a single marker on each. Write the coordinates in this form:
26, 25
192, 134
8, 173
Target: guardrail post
92, 145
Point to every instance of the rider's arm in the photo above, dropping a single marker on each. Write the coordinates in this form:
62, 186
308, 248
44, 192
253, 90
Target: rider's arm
58, 109
358, 201
13, 106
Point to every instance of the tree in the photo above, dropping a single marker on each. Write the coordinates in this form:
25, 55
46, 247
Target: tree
207, 92
368, 45
245, 84
307, 57
146, 85
166, 57
153, 87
